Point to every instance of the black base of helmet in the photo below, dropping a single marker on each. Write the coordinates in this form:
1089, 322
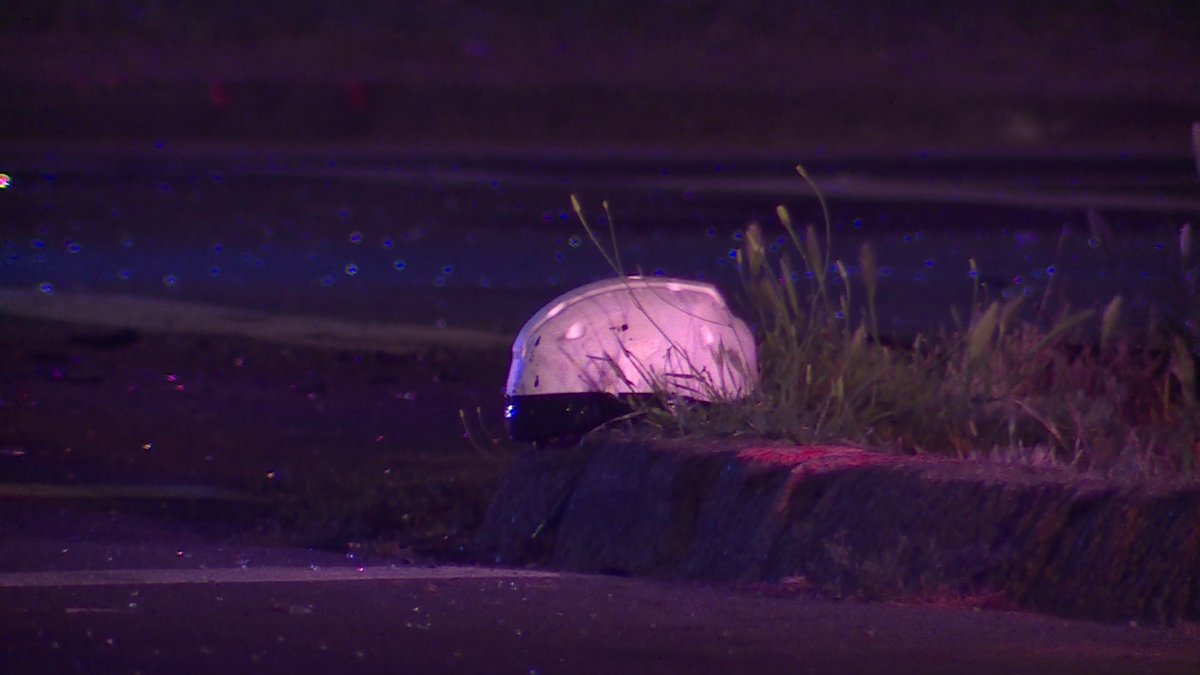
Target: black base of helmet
547, 416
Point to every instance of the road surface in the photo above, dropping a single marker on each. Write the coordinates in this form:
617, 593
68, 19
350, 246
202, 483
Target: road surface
366, 252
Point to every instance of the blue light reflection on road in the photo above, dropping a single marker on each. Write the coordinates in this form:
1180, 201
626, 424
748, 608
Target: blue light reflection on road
467, 254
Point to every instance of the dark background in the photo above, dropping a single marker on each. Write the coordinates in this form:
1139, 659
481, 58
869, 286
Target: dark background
769, 76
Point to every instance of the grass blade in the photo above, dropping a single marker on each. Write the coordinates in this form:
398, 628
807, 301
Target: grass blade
1109, 320
866, 264
979, 336
612, 258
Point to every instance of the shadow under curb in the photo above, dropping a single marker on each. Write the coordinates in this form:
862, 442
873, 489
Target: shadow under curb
853, 522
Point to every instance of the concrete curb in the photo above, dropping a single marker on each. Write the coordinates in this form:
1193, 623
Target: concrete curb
847, 521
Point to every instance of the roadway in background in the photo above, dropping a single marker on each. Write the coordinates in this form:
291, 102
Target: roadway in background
440, 242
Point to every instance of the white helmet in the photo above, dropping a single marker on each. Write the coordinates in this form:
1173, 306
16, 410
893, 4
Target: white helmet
579, 356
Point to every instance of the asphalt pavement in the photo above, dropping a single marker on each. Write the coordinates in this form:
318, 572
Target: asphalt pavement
93, 589
416, 619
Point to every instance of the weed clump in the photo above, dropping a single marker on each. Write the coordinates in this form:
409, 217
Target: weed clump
1003, 382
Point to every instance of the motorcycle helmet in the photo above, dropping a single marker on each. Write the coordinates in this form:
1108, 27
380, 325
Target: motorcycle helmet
581, 359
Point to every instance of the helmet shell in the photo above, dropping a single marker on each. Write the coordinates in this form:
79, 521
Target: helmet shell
635, 335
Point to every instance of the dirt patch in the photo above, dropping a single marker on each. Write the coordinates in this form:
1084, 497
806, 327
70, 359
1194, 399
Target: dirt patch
850, 522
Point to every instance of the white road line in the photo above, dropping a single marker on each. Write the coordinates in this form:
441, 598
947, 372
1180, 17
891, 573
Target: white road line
861, 188
864, 188
255, 575
173, 316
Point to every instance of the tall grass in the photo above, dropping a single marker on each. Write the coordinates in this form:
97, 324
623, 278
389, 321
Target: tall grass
1007, 382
